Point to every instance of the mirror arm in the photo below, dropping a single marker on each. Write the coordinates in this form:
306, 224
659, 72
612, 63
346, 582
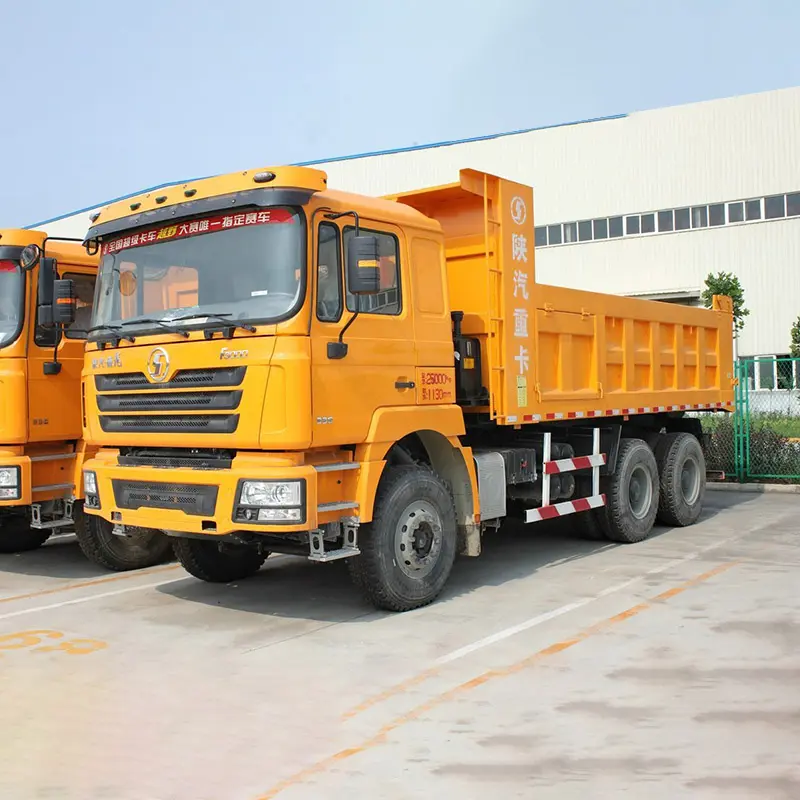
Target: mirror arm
353, 214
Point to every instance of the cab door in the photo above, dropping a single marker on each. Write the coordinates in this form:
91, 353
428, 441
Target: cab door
379, 367
54, 401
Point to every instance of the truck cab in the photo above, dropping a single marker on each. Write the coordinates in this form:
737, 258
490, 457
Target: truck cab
41, 443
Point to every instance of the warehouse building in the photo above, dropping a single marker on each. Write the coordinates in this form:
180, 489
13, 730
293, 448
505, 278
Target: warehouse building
643, 204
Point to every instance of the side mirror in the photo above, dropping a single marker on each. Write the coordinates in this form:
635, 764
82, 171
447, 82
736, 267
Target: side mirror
63, 302
363, 272
47, 279
29, 257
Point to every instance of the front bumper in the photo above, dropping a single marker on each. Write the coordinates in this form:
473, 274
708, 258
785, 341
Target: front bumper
42, 475
197, 501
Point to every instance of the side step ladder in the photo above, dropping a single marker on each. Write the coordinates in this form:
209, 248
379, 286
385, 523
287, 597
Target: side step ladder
556, 467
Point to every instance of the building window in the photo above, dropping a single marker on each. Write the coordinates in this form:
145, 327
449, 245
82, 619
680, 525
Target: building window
615, 227
665, 221
752, 210
716, 214
601, 229
540, 236
553, 234
632, 225
775, 206
735, 212
766, 373
585, 231
648, 223
700, 217
793, 204
570, 232
682, 219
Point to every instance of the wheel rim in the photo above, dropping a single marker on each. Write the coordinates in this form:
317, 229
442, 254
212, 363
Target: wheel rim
640, 492
418, 539
690, 481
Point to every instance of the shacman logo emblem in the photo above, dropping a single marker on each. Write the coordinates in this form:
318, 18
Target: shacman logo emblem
158, 365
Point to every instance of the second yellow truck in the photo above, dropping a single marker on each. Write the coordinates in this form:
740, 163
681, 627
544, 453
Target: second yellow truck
276, 366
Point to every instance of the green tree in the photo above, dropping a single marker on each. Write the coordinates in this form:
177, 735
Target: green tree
726, 283
794, 346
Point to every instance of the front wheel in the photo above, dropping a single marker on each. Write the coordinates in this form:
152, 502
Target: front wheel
206, 560
144, 547
408, 550
17, 536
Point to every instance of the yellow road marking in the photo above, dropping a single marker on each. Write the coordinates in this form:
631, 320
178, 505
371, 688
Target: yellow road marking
444, 697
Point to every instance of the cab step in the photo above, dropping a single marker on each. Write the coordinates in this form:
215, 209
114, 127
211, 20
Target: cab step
316, 544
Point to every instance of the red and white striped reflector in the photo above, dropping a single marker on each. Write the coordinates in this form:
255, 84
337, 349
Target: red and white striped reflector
571, 464
562, 509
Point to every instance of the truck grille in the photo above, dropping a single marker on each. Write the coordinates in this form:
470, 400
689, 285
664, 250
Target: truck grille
184, 379
175, 401
200, 423
194, 499
133, 392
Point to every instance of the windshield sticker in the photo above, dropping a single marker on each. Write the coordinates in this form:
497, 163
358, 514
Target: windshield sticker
199, 226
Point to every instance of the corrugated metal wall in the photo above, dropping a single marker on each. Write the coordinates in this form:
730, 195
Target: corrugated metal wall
717, 151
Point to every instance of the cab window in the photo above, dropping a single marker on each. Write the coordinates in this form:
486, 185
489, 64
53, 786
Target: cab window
387, 301
329, 274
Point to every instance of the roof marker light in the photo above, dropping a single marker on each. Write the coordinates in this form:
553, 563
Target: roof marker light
161, 198
263, 177
93, 217
190, 193
134, 206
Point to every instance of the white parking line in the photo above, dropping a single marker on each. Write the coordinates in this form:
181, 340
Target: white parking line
91, 597
539, 619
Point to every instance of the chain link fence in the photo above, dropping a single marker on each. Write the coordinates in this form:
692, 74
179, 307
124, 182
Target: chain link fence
761, 440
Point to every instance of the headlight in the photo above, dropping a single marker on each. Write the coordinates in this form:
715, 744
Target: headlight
89, 483
9, 483
272, 494
9, 477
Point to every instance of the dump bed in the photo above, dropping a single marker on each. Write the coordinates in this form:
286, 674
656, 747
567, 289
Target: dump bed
552, 353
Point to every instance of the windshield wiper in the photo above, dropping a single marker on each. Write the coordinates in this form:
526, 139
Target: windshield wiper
115, 330
221, 319
159, 322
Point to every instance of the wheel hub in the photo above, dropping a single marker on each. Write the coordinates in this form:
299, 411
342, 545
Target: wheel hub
418, 539
640, 492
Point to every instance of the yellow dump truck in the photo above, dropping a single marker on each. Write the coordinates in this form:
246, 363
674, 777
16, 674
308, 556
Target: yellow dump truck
276, 366
41, 446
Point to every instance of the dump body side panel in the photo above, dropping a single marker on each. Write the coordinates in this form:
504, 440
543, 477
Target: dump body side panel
553, 353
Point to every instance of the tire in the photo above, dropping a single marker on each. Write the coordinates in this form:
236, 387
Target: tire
588, 526
682, 476
204, 560
144, 548
632, 494
408, 550
17, 536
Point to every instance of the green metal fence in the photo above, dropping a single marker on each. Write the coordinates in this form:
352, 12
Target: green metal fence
761, 440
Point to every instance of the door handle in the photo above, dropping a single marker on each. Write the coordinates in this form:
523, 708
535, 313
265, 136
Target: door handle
404, 384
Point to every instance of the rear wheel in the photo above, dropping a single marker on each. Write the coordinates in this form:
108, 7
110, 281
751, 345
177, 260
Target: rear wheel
143, 547
682, 475
408, 550
631, 494
207, 561
17, 536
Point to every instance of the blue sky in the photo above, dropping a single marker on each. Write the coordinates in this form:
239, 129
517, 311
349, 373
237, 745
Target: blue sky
101, 99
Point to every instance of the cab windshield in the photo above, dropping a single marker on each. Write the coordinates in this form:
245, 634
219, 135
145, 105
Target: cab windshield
12, 292
243, 267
